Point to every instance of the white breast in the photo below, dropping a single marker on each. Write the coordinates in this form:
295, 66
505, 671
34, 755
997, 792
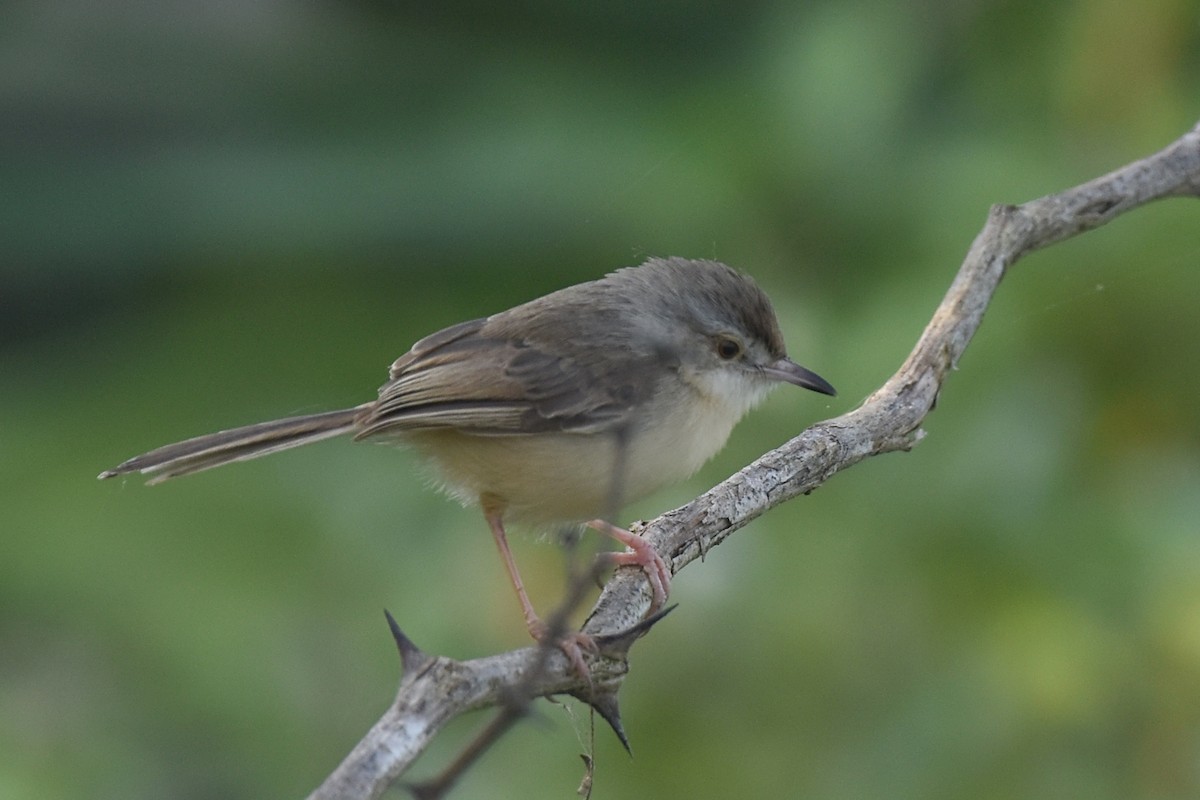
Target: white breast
566, 478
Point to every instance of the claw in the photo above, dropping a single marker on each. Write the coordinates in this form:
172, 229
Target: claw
641, 554
573, 644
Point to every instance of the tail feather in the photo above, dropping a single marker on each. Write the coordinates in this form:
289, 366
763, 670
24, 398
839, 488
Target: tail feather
238, 444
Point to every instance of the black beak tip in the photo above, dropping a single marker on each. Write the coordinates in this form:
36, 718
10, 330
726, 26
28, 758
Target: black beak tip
821, 385
787, 370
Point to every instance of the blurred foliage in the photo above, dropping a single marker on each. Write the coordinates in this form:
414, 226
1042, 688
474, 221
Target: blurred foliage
222, 212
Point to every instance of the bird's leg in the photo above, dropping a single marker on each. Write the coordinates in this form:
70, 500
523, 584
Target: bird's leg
643, 555
571, 643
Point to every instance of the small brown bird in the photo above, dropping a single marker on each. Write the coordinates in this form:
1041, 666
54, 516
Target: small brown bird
556, 410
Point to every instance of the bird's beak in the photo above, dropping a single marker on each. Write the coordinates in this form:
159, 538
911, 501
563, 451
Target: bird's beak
790, 372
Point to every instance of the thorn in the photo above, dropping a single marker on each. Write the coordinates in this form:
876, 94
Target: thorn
620, 642
412, 658
616, 645
605, 703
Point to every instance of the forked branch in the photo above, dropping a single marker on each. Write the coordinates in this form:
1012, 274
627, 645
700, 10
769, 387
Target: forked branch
435, 690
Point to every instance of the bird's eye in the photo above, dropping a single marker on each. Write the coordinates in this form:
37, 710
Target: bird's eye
728, 349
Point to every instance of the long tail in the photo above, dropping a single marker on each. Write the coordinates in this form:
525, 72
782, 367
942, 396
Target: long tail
238, 444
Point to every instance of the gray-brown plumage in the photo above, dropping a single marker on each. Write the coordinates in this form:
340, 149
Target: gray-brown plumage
537, 413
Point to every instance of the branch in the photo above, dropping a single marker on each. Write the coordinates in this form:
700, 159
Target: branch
435, 690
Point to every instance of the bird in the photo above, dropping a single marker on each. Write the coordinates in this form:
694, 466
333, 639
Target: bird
559, 410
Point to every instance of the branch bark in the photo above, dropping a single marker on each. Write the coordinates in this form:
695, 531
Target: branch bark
434, 690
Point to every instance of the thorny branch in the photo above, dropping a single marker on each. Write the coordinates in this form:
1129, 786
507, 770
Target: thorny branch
433, 690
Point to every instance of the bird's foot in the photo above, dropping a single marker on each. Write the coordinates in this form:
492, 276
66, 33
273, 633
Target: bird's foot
641, 553
572, 643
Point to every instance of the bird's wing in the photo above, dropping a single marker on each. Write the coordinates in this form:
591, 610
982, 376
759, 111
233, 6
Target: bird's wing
484, 383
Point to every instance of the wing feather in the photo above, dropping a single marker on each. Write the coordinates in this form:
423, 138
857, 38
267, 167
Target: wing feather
484, 380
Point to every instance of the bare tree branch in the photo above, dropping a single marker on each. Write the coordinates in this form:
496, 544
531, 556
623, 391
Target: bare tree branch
434, 690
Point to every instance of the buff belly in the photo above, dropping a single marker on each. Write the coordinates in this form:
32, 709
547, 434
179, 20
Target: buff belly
551, 478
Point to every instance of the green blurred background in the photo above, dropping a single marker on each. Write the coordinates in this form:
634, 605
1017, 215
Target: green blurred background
213, 214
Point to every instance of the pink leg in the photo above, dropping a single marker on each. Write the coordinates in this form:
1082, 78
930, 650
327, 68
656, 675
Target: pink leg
644, 555
573, 643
